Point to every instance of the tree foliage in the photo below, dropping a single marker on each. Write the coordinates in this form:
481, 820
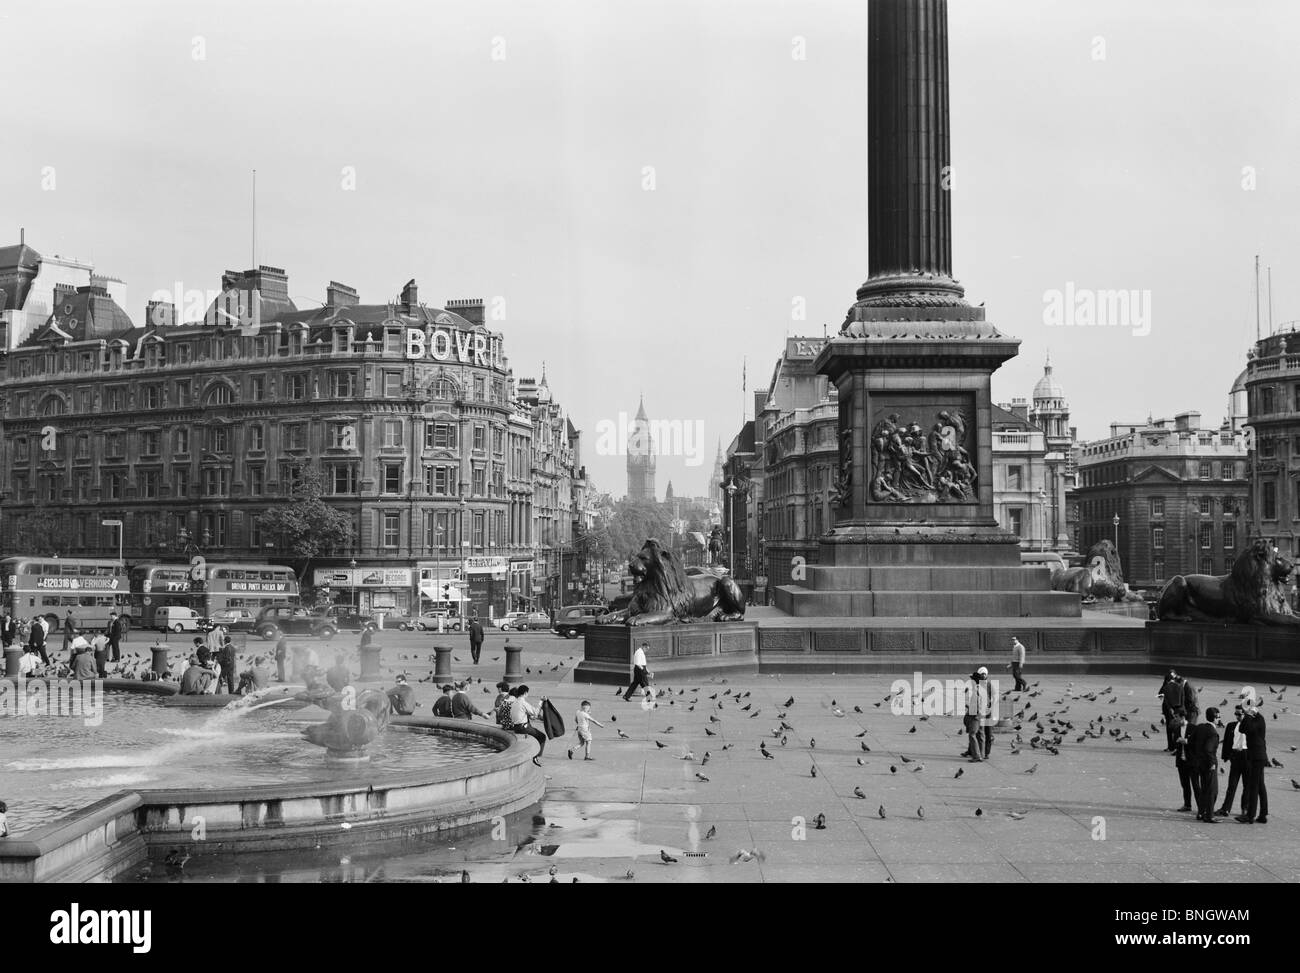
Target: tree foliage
305, 527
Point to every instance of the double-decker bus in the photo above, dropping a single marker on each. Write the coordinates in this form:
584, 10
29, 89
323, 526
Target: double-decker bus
208, 587
50, 586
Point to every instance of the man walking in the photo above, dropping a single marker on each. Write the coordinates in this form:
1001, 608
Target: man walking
1236, 763
1018, 665
1203, 750
114, 633
475, 638
640, 674
1254, 726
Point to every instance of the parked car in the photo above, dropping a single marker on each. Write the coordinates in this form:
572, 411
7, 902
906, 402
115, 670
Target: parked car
531, 621
276, 620
235, 619
428, 621
506, 620
174, 618
573, 620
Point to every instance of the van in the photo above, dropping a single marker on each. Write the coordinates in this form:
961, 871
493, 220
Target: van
174, 618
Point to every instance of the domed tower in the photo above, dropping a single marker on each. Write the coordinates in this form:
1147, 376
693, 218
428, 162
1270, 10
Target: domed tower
1051, 413
640, 458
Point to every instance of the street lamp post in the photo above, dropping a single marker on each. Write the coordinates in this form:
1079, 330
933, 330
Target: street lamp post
118, 525
731, 526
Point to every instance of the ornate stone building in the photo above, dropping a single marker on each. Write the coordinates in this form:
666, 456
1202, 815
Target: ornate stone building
187, 432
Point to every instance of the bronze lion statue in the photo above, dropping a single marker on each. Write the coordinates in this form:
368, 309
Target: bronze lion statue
1254, 591
1101, 578
662, 592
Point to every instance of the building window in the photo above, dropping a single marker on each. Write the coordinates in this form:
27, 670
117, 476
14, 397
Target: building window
392, 384
1204, 504
1157, 538
149, 485
295, 387
256, 481
343, 385
182, 441
392, 477
150, 442
216, 482
1157, 506
392, 433
480, 438
1229, 537
295, 436
1206, 534
440, 435
343, 478
257, 388
219, 439
256, 438
392, 529
1270, 500
1205, 471
1014, 476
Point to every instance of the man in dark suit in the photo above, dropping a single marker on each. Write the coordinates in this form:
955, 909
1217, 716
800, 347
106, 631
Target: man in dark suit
475, 638
1203, 751
1236, 760
1254, 726
1170, 698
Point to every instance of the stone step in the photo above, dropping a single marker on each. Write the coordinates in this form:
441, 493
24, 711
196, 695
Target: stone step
924, 578
807, 603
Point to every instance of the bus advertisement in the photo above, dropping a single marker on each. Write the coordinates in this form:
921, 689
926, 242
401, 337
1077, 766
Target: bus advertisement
207, 588
53, 586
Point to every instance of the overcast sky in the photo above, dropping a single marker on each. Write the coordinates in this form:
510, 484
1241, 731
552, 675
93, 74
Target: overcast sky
499, 149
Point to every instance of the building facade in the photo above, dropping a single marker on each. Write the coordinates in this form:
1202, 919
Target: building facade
188, 432
1171, 495
1272, 390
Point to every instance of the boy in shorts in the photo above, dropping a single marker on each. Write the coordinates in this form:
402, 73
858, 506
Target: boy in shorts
583, 721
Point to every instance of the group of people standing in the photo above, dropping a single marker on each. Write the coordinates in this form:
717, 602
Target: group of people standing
1197, 748
103, 647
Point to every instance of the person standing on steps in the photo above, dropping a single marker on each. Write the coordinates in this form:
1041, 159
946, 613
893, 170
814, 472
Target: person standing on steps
475, 638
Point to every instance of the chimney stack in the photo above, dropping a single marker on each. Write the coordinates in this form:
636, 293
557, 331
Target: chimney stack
410, 296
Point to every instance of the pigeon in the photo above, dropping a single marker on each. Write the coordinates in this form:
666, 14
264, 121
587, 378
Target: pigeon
666, 858
857, 792
881, 811
711, 833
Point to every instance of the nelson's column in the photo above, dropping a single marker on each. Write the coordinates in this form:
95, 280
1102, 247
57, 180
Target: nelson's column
914, 532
